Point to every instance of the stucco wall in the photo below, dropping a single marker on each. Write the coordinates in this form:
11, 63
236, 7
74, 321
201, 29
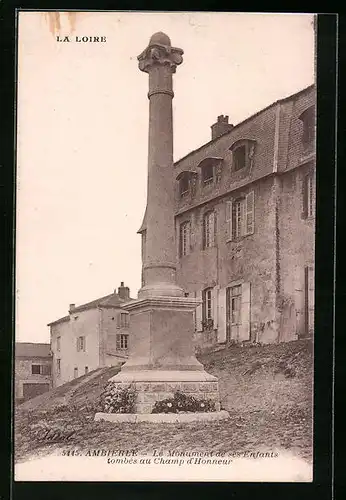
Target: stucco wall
23, 374
82, 323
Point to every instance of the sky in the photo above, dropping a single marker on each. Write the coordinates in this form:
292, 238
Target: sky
82, 134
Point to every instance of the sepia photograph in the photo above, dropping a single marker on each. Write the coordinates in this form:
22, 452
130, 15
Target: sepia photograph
165, 246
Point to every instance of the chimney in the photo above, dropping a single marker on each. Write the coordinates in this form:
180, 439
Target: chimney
123, 291
71, 307
221, 127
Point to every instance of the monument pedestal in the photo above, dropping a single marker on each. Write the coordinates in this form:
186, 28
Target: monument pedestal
162, 359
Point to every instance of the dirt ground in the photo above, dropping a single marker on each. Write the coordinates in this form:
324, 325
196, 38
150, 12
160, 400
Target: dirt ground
267, 391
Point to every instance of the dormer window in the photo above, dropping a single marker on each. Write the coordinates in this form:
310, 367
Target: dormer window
308, 120
208, 174
239, 158
242, 154
186, 183
210, 170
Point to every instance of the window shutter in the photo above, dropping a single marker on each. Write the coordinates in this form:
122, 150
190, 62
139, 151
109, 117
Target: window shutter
199, 327
188, 237
212, 228
305, 197
229, 205
249, 213
244, 330
215, 297
311, 299
221, 328
77, 344
84, 342
118, 320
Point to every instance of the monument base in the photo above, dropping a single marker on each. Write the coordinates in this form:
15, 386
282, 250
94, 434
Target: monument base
168, 418
156, 385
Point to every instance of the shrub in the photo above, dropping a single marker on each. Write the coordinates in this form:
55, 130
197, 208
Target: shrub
115, 399
182, 403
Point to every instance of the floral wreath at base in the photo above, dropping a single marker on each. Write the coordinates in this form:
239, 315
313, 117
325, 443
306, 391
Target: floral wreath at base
115, 399
183, 403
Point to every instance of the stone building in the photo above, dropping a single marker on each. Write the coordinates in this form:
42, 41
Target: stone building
33, 370
245, 224
92, 335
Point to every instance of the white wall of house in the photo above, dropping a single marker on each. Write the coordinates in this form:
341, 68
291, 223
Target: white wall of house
74, 362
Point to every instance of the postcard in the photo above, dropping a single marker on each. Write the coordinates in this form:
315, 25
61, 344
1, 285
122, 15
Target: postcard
165, 236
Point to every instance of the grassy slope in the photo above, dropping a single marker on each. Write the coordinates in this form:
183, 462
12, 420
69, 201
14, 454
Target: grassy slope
266, 389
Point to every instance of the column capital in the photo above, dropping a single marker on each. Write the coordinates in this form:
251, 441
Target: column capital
162, 54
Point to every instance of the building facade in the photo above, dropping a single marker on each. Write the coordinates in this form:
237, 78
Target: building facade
245, 225
33, 370
92, 335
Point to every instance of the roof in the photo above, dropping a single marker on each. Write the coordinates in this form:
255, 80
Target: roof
279, 101
111, 300
32, 350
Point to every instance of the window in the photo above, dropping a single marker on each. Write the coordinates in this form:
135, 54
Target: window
207, 308
75, 372
58, 367
242, 154
308, 196
235, 303
46, 370
208, 173
58, 343
184, 185
184, 238
208, 229
36, 369
308, 120
240, 216
122, 341
239, 158
124, 320
81, 344
86, 370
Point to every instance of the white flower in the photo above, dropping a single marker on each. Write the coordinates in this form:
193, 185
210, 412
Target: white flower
169, 404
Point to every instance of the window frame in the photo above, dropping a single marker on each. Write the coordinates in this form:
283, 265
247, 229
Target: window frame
308, 195
124, 320
207, 309
185, 178
249, 146
184, 238
308, 119
122, 338
35, 372
235, 157
58, 343
81, 343
58, 367
247, 212
209, 236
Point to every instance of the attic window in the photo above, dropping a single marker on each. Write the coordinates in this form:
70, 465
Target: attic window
210, 170
239, 158
242, 154
208, 173
308, 120
184, 185
186, 182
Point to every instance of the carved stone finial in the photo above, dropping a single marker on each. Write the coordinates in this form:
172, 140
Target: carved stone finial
160, 52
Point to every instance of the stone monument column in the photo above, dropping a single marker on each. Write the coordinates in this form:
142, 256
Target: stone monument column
162, 358
160, 60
